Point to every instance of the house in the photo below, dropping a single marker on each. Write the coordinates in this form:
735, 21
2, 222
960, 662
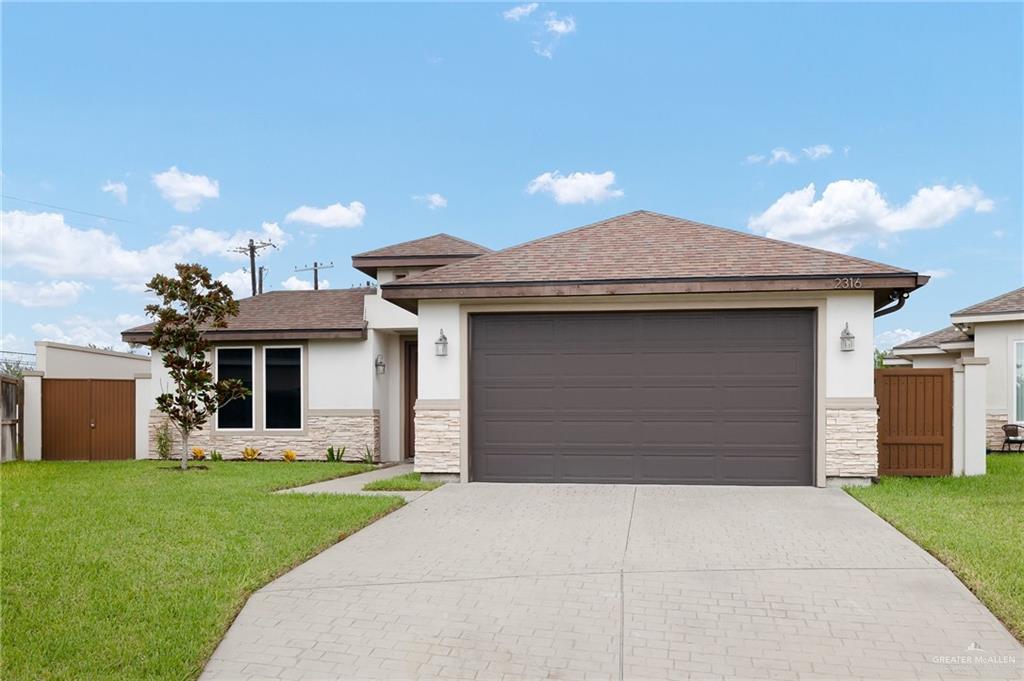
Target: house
991, 330
643, 348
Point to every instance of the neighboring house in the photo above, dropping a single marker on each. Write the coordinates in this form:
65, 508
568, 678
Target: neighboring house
643, 348
992, 330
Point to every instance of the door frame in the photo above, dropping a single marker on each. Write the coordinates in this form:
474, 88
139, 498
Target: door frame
409, 390
818, 303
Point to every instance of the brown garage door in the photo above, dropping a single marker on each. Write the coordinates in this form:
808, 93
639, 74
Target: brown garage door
86, 419
703, 397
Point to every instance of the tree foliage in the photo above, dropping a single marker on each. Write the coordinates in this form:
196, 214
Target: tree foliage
191, 303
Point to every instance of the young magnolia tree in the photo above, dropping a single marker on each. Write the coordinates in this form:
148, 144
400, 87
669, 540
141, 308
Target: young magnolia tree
190, 303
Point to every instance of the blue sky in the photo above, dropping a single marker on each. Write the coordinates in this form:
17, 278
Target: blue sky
210, 123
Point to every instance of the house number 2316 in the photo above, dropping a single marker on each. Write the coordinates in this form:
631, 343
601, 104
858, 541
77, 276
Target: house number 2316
846, 282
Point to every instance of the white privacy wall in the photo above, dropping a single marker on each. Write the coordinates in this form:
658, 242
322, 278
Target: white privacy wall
850, 374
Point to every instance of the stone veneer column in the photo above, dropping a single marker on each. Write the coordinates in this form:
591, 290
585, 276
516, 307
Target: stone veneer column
994, 422
438, 437
851, 438
354, 429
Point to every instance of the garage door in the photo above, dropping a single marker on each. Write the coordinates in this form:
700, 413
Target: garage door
702, 397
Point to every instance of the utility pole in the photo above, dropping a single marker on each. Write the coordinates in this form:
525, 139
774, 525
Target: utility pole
317, 266
263, 274
251, 249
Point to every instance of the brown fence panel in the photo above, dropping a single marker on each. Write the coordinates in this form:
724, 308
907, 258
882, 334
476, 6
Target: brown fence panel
66, 418
915, 421
113, 413
86, 419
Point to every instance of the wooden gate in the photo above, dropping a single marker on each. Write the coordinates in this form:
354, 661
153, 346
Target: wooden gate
88, 419
915, 421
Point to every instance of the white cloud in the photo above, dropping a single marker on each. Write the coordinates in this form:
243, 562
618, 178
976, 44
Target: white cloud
937, 273
184, 190
433, 201
754, 159
45, 243
334, 215
781, 155
519, 12
293, 283
238, 281
850, 212
41, 293
576, 187
118, 189
999, 233
12, 343
887, 339
560, 25
818, 152
83, 330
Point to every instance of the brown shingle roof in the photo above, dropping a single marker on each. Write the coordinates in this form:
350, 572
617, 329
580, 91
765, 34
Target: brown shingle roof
647, 246
329, 313
950, 334
439, 244
1007, 302
430, 251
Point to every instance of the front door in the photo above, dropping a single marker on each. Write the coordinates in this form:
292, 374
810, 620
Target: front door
409, 368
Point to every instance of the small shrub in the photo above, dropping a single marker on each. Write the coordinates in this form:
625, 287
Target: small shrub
216, 456
198, 453
163, 441
250, 453
335, 454
289, 455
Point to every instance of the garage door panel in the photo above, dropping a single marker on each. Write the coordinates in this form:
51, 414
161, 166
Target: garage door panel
716, 397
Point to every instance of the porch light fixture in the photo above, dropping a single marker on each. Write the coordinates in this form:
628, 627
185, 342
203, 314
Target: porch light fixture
846, 339
379, 365
441, 345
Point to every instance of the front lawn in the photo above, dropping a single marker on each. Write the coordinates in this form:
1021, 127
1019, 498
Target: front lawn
974, 525
131, 570
410, 482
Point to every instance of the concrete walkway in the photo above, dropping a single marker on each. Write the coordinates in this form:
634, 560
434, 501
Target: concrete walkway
488, 581
353, 484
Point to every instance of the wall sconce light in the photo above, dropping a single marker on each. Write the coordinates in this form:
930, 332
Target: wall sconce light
441, 345
846, 339
379, 365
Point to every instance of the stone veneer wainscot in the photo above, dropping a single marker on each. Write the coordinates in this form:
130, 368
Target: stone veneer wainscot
851, 439
994, 422
352, 429
438, 434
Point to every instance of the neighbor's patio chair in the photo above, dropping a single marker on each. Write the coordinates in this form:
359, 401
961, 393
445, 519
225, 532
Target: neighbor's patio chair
1012, 435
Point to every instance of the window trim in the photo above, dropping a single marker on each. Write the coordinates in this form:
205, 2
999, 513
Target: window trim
302, 388
1013, 416
216, 379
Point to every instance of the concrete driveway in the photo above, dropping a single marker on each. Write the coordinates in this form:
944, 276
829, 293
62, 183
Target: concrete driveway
489, 581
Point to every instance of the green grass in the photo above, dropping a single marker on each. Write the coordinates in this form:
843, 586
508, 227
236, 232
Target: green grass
410, 482
130, 570
975, 525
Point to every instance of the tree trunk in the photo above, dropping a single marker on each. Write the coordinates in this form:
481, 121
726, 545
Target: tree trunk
184, 451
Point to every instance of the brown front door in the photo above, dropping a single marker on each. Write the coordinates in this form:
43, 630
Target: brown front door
409, 369
915, 421
699, 397
88, 420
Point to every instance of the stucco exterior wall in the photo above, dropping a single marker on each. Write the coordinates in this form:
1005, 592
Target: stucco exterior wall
340, 374
995, 340
850, 374
58, 360
943, 361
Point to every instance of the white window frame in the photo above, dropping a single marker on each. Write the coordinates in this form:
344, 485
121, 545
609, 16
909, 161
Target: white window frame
1014, 417
302, 388
216, 371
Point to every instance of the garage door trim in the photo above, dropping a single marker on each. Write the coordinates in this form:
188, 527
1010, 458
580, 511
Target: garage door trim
793, 301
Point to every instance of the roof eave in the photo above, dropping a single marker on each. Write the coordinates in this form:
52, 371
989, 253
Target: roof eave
405, 291
984, 317
220, 335
370, 265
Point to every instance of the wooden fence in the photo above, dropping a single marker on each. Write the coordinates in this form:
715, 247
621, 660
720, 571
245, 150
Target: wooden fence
915, 421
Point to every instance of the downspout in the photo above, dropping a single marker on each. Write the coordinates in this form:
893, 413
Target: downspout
900, 300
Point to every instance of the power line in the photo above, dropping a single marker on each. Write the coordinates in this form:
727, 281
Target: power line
70, 210
317, 266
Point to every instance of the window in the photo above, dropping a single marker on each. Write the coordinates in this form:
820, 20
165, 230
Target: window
282, 380
1018, 382
235, 363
